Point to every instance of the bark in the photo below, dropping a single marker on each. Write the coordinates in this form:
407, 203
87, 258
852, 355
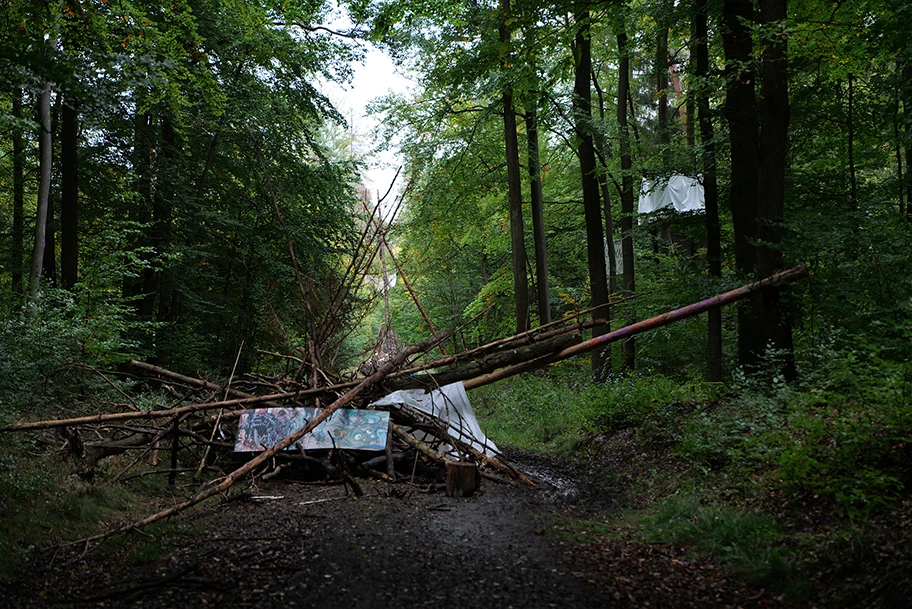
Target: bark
44, 187
482, 365
602, 149
609, 235
592, 208
69, 197
906, 89
17, 249
853, 180
160, 233
626, 332
141, 161
626, 188
514, 186
661, 72
538, 216
49, 261
741, 114
710, 188
774, 111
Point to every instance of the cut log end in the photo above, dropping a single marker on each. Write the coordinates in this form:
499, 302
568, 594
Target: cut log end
462, 479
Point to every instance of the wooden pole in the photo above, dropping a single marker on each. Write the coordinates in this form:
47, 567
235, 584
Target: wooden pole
719, 300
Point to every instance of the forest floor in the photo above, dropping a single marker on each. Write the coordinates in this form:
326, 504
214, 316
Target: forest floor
399, 546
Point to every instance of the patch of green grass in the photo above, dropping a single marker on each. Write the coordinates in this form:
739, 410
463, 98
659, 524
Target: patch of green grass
43, 501
750, 544
551, 414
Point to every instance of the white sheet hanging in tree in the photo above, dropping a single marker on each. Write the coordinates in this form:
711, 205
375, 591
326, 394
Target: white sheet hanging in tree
680, 192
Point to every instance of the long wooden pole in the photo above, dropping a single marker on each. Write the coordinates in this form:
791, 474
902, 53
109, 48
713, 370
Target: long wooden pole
719, 300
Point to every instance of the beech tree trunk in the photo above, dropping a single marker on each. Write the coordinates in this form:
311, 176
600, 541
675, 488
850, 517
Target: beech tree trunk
627, 212
514, 186
17, 249
661, 77
774, 112
142, 168
538, 216
741, 113
906, 92
592, 208
45, 153
602, 148
710, 188
49, 260
69, 197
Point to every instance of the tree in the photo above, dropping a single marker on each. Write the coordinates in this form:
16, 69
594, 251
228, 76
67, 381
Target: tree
774, 113
741, 113
627, 212
592, 209
514, 184
710, 185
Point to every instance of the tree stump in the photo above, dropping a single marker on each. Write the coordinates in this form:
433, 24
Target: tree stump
462, 479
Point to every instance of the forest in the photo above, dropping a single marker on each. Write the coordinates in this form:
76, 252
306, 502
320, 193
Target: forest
177, 188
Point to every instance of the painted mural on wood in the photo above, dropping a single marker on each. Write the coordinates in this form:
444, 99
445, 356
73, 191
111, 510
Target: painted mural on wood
262, 428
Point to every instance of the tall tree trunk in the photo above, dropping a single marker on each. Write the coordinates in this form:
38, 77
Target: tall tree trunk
142, 168
160, 237
592, 208
710, 187
906, 92
609, 236
897, 139
602, 150
17, 250
774, 113
741, 113
46, 155
69, 198
627, 212
49, 260
661, 81
853, 180
514, 186
538, 215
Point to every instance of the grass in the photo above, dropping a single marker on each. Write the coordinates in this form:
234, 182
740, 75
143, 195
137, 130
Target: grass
43, 502
748, 542
753, 458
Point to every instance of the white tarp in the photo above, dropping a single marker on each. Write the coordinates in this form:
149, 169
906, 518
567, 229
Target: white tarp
451, 405
681, 193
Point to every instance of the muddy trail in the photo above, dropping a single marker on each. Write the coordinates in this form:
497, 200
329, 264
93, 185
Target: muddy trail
289, 544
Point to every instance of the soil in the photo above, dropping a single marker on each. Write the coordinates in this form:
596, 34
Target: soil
399, 546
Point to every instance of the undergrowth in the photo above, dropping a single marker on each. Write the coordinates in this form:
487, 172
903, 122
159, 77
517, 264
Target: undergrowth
762, 457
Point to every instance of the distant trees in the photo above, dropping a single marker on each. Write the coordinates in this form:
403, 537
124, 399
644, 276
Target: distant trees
735, 80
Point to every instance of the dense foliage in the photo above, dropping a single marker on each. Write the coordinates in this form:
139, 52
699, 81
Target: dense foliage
189, 121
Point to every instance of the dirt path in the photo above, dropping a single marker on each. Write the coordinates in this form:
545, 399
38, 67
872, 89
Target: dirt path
405, 549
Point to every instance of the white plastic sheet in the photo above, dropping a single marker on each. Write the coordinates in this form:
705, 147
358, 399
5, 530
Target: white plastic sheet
681, 193
449, 404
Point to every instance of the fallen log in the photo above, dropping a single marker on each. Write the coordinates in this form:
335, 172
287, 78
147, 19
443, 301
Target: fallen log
792, 274
195, 382
483, 365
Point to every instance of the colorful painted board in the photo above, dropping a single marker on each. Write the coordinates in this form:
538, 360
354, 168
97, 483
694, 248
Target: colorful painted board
262, 428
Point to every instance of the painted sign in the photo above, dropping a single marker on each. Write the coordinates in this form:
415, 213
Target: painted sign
262, 428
